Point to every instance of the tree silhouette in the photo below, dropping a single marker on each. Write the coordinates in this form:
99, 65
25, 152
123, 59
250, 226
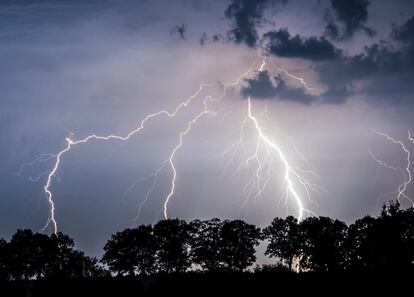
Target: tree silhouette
59, 250
118, 254
238, 241
131, 251
27, 254
81, 266
206, 244
359, 245
4, 273
65, 262
145, 247
393, 237
34, 255
322, 244
284, 239
173, 242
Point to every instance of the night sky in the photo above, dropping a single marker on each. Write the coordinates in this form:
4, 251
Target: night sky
69, 69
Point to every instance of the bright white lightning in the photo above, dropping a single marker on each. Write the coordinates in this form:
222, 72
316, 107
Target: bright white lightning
179, 145
261, 180
288, 169
385, 164
300, 79
40, 159
71, 143
148, 193
257, 183
402, 188
188, 129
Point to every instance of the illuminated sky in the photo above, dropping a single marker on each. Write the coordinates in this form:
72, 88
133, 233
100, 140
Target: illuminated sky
74, 68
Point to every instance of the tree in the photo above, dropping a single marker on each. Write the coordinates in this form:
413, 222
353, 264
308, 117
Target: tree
173, 241
60, 261
34, 255
237, 244
4, 273
393, 237
322, 244
27, 254
79, 265
206, 244
385, 242
407, 236
118, 254
284, 240
145, 247
132, 250
359, 246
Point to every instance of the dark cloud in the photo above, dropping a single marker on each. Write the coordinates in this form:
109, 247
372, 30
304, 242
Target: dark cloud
217, 37
179, 30
345, 17
376, 63
282, 44
405, 33
261, 87
385, 70
382, 70
246, 15
295, 94
205, 38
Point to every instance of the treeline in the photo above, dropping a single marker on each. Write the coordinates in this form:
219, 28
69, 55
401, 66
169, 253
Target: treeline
318, 244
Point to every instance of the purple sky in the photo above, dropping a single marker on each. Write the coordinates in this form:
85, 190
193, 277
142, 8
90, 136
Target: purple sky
99, 67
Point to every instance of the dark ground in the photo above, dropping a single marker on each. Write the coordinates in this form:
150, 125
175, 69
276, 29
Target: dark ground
218, 284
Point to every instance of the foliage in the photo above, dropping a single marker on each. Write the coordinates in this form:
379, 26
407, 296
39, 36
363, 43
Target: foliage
131, 251
320, 244
284, 240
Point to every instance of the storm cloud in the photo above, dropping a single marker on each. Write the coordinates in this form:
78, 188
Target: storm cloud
282, 44
179, 30
245, 16
384, 68
262, 87
381, 69
346, 17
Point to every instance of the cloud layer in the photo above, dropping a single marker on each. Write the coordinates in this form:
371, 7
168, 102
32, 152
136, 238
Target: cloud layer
346, 17
380, 71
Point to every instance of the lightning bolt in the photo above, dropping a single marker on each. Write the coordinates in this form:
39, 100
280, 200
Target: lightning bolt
72, 143
289, 171
300, 79
263, 157
260, 182
406, 172
148, 193
175, 150
42, 158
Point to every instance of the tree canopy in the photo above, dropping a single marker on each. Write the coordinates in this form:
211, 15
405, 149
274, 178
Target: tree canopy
320, 244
